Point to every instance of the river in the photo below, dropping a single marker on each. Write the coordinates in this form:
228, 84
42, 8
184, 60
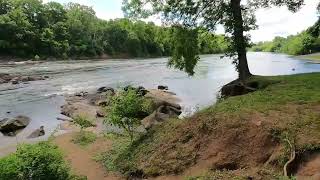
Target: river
41, 100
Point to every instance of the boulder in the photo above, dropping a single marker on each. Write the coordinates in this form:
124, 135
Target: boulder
102, 99
37, 133
106, 89
11, 126
64, 119
81, 94
5, 77
139, 90
100, 113
79, 108
161, 87
164, 112
2, 81
15, 80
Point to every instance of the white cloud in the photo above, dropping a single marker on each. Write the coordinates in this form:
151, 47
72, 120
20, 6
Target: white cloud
281, 22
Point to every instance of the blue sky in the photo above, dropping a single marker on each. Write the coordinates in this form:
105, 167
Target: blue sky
272, 22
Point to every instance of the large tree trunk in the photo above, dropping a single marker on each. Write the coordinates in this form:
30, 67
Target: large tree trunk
239, 40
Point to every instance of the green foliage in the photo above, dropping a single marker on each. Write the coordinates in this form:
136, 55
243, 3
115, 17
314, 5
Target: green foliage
236, 17
109, 158
42, 161
185, 53
125, 111
306, 42
83, 121
84, 138
30, 28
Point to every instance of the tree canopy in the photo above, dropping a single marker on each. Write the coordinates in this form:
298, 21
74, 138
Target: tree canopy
31, 28
236, 16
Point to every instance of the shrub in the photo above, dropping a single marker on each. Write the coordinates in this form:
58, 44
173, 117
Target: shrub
84, 138
125, 111
83, 122
42, 161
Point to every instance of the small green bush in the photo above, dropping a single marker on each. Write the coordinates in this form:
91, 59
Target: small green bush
125, 111
84, 138
83, 122
42, 161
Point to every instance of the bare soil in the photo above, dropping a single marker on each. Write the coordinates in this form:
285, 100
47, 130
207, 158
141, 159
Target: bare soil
82, 158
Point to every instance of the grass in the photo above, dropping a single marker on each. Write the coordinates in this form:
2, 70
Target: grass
287, 106
109, 158
84, 138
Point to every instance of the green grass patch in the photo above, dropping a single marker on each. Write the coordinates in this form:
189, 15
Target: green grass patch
288, 104
297, 89
84, 138
120, 143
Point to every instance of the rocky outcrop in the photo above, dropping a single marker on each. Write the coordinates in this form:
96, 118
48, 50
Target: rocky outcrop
106, 89
139, 90
16, 79
37, 133
92, 105
166, 107
164, 112
89, 104
9, 127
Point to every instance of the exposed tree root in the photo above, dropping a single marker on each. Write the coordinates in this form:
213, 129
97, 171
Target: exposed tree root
292, 158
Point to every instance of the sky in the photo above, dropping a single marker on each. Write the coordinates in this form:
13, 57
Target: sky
272, 21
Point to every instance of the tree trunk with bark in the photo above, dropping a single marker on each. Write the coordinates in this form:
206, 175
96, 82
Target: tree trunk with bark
239, 40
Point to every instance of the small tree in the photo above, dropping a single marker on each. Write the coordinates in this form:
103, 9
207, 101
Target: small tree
84, 138
124, 110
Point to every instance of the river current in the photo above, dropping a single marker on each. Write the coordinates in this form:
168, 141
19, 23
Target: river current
41, 100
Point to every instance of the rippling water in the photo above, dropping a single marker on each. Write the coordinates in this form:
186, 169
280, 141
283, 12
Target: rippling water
41, 100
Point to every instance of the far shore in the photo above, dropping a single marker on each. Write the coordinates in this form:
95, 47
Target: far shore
315, 57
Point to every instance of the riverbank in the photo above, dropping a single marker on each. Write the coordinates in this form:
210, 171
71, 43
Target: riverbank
251, 136
313, 57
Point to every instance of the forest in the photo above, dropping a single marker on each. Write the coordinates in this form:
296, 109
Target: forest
37, 30
306, 42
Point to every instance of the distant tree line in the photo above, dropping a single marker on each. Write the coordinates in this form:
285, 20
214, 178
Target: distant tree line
306, 42
33, 29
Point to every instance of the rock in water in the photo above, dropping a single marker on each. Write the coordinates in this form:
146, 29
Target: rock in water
106, 89
161, 87
37, 133
9, 127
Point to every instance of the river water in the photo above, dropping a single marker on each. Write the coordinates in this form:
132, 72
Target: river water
41, 100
